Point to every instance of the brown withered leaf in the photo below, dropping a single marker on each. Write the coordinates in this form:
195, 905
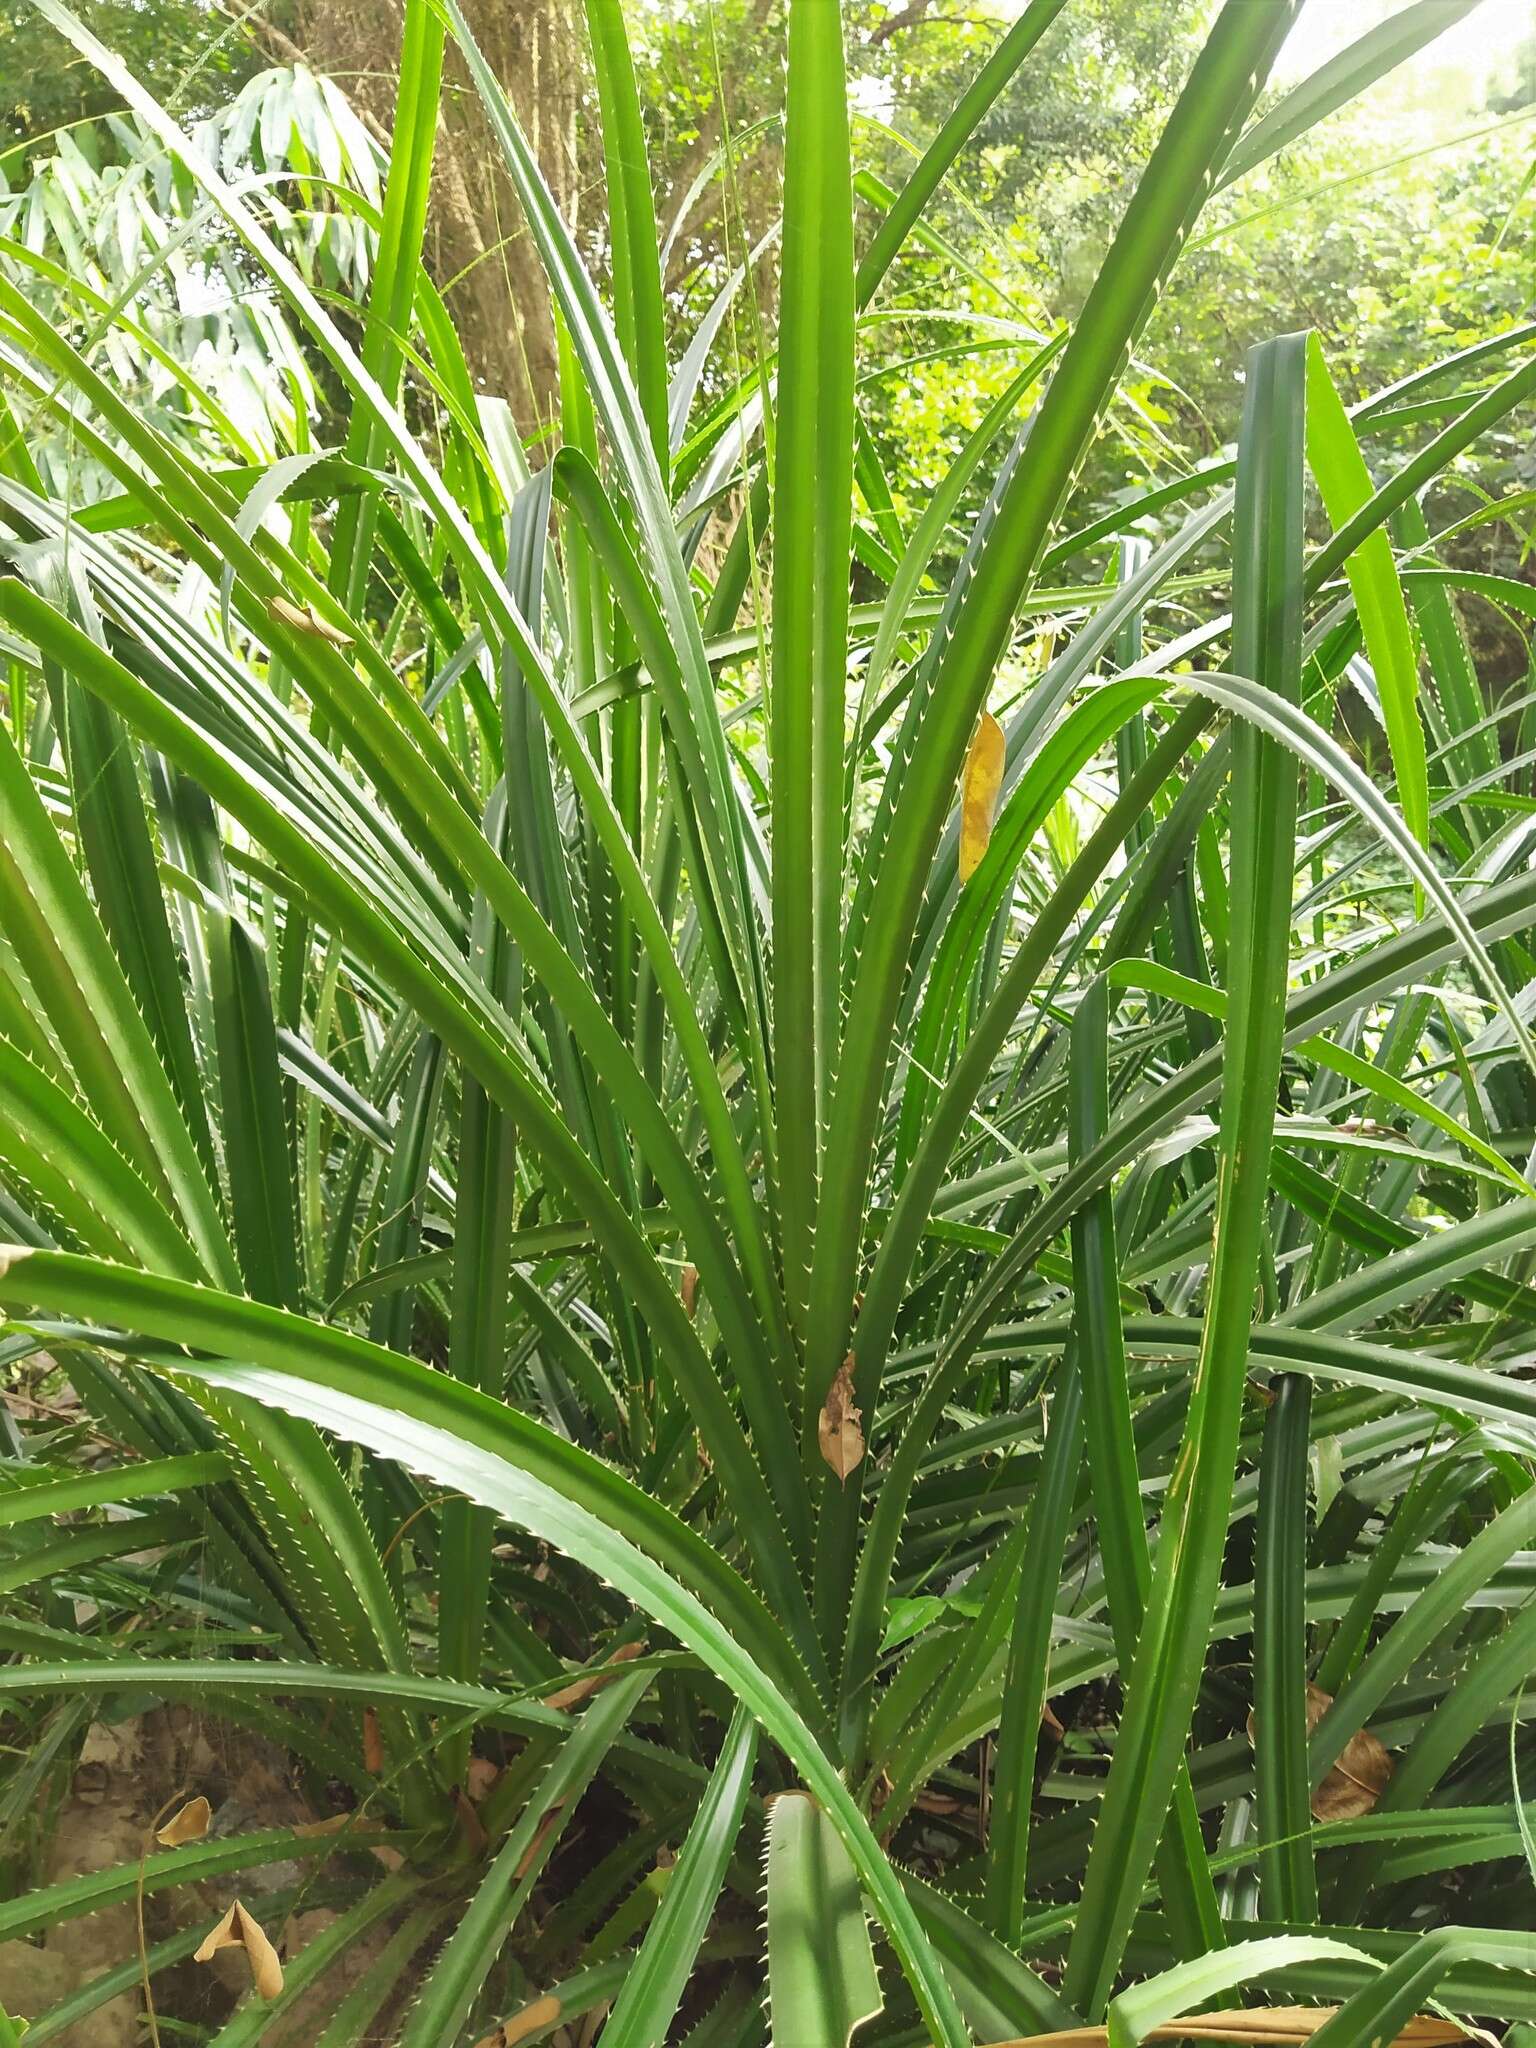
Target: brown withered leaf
303, 618
373, 1742
331, 1825
530, 1855
1361, 1774
188, 1823
943, 1805
471, 1827
480, 1777
533, 2019
838, 1430
689, 1289
239, 1930
980, 787
596, 1678
1358, 1779
1274, 2026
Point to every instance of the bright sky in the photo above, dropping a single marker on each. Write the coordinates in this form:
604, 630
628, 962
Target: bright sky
1473, 52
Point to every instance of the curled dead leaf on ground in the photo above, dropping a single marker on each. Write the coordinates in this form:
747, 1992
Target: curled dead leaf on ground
188, 1823
980, 789
303, 618
596, 1678
522, 2026
1275, 2026
239, 1930
838, 1430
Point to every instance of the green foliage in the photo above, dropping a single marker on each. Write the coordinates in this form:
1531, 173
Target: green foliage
607, 1304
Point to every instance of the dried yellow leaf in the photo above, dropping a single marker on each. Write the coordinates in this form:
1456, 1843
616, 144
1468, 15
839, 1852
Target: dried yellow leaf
838, 1429
979, 791
305, 619
533, 2019
188, 1824
1276, 2026
239, 1930
373, 1742
594, 1680
333, 1825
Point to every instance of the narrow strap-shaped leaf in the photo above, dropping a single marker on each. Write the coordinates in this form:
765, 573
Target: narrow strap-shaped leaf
1379, 2009
465, 1459
638, 305
1226, 77
653, 1989
617, 405
114, 834
51, 922
1333, 454
1287, 1879
480, 575
903, 1232
232, 1326
821, 1971
124, 1482
1343, 78
254, 1122
437, 1001
448, 1994
397, 270
1185, 1878
66, 1159
1027, 1681
1165, 1679
812, 510
1147, 2010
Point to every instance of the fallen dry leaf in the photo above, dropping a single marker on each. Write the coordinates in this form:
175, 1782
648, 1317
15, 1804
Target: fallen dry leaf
980, 788
838, 1430
480, 1777
595, 1679
332, 1825
238, 1930
1358, 1779
1362, 1773
541, 1835
531, 2020
1276, 2026
188, 1824
942, 1805
471, 1827
305, 619
373, 1742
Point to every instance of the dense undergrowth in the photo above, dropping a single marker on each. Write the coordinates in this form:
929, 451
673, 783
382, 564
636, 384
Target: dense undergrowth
636, 1188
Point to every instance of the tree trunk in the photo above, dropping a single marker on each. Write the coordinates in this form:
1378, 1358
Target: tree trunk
479, 250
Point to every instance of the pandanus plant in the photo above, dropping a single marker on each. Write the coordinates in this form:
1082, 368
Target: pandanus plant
698, 1211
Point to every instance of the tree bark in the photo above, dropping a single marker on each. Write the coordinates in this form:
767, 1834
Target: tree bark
479, 251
